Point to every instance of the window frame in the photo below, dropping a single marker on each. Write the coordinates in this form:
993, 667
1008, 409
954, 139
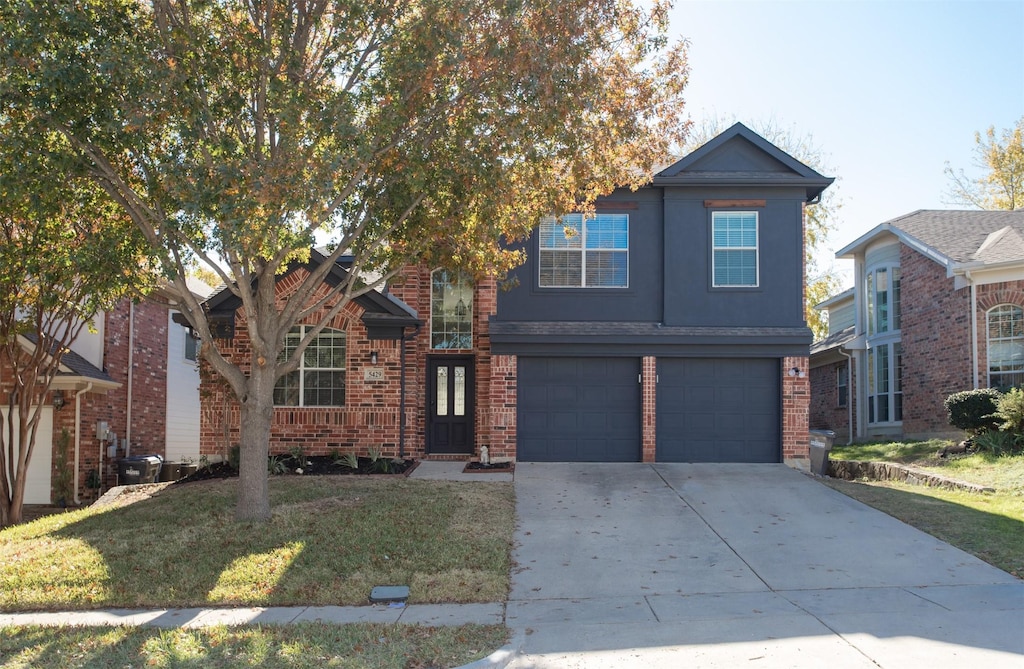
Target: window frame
756, 248
878, 314
842, 384
582, 249
892, 395
1011, 341
462, 285
303, 369
190, 352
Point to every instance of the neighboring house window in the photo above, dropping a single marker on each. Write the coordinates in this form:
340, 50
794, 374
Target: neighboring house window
584, 252
191, 346
885, 383
320, 379
842, 384
734, 248
451, 310
883, 297
1005, 346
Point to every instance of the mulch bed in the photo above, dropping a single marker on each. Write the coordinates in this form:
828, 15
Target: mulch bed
489, 468
314, 465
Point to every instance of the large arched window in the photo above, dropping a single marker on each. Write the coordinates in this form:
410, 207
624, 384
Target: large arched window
1005, 346
451, 310
320, 379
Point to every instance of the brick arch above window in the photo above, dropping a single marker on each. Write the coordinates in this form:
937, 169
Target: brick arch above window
987, 300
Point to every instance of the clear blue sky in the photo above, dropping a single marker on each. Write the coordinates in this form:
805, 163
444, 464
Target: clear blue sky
889, 90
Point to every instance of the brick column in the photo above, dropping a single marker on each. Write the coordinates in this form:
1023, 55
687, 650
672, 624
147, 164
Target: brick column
500, 426
648, 400
796, 402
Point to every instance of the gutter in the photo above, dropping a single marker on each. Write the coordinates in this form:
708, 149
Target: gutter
78, 432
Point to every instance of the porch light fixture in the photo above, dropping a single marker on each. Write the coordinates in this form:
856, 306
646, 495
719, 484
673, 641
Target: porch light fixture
796, 372
373, 357
58, 400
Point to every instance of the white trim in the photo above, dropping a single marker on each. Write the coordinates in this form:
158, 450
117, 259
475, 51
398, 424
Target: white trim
756, 249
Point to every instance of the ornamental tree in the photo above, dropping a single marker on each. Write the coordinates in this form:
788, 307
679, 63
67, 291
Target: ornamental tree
239, 133
66, 252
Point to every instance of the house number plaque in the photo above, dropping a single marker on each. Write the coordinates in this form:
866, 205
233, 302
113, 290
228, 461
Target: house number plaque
373, 374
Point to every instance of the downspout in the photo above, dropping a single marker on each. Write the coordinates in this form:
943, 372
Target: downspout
849, 394
78, 432
128, 400
974, 327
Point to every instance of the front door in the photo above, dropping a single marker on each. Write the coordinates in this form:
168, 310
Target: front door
450, 405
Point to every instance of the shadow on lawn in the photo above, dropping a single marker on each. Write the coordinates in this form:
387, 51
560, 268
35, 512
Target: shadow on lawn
330, 541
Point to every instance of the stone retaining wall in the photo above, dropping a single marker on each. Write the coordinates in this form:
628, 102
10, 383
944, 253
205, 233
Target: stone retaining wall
852, 470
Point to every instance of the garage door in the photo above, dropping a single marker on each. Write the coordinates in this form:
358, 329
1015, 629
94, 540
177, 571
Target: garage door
578, 410
718, 410
37, 478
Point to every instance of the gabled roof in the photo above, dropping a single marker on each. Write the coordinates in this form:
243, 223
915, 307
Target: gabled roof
383, 314
954, 237
741, 157
75, 370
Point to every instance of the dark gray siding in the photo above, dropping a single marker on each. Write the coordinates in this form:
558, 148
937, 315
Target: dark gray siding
640, 301
578, 410
691, 299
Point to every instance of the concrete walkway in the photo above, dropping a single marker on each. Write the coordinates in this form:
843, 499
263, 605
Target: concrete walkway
741, 565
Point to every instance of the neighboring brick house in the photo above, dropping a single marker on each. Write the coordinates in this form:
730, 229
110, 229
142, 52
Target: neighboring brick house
667, 327
937, 307
135, 373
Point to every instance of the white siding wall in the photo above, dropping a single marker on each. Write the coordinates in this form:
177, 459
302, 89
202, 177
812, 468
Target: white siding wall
182, 397
89, 345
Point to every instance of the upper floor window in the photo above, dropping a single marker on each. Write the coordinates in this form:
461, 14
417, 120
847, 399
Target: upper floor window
451, 310
883, 300
734, 248
1005, 346
320, 379
584, 252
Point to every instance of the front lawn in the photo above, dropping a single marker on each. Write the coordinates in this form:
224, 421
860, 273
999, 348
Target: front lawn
987, 525
309, 645
331, 539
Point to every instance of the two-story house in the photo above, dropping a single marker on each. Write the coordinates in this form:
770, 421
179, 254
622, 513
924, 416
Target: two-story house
937, 307
667, 326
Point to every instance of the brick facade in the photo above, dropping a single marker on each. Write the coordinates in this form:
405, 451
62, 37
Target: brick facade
143, 350
795, 403
936, 340
371, 416
825, 409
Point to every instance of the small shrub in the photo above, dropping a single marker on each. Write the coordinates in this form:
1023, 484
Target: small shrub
275, 464
1010, 410
972, 410
351, 460
998, 442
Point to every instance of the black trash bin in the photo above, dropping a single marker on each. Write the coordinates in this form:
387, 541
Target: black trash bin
821, 444
139, 469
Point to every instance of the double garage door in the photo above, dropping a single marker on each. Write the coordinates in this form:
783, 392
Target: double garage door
589, 410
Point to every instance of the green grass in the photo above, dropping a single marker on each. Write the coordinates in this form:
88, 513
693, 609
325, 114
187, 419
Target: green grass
987, 525
305, 645
331, 539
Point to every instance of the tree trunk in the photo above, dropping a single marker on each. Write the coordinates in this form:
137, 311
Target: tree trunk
257, 414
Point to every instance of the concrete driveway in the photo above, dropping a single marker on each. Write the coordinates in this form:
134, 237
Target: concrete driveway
678, 565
